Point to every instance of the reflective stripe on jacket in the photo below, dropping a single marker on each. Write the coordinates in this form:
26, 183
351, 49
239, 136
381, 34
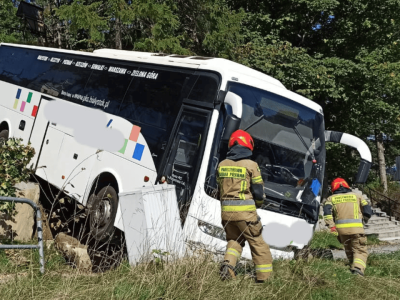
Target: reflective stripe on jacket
344, 210
235, 179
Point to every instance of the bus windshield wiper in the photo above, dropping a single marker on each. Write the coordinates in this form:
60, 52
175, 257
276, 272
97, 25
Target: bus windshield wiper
254, 123
302, 140
259, 118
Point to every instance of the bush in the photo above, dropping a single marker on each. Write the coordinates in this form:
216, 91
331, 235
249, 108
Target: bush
14, 157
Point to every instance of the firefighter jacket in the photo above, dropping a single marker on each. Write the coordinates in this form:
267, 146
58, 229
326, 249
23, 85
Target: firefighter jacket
240, 186
344, 210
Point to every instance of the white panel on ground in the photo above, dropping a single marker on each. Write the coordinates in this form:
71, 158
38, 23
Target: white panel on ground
151, 221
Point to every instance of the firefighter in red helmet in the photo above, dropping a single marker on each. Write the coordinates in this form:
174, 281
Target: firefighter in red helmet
344, 212
241, 190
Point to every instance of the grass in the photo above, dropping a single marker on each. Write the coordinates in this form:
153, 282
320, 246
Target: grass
197, 278
326, 240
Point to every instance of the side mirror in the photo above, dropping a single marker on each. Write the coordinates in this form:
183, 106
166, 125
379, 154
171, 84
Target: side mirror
232, 121
355, 142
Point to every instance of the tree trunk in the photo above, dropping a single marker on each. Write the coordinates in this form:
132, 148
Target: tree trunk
57, 29
381, 161
118, 42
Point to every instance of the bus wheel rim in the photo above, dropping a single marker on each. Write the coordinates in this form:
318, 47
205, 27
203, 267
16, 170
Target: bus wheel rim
102, 213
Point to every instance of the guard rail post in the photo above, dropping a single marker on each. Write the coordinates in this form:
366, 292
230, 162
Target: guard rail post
39, 229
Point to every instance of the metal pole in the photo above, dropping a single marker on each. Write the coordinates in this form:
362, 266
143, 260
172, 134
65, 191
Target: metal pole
39, 229
40, 238
370, 197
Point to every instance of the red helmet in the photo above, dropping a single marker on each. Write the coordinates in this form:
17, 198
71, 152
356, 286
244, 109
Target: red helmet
339, 182
242, 138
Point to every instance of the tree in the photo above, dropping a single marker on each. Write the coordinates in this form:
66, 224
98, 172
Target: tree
342, 55
10, 24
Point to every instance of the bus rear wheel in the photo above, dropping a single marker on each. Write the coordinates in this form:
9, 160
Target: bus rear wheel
3, 136
102, 211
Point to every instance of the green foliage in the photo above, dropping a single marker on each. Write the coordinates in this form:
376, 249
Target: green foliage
14, 157
325, 240
342, 55
9, 23
160, 256
84, 15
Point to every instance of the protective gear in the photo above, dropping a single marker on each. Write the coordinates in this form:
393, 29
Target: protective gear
337, 183
241, 137
342, 212
356, 271
227, 271
333, 231
355, 247
237, 233
240, 183
236, 180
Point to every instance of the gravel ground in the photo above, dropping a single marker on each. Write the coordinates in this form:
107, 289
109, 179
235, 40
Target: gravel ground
384, 247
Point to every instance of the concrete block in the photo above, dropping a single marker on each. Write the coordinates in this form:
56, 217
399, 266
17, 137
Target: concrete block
21, 226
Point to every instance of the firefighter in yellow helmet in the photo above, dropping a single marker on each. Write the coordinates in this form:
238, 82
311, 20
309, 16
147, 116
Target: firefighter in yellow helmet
241, 189
344, 212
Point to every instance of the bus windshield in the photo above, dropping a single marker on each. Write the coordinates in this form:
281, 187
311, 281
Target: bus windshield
289, 143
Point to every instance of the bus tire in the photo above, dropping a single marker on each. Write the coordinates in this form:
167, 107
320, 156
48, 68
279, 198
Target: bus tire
3, 136
102, 211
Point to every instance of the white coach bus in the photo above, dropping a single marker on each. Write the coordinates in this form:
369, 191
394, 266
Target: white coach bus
131, 119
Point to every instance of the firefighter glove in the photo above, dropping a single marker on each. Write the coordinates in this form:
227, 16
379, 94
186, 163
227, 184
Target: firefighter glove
333, 231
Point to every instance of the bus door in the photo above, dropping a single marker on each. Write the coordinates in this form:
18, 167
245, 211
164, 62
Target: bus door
47, 140
185, 153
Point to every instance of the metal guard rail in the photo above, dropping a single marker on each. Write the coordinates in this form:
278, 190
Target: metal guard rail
385, 198
39, 229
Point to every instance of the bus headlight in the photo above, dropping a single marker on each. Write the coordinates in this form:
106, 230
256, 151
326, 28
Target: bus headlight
212, 230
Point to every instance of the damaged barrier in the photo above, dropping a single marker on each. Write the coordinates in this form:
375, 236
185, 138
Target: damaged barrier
39, 229
152, 225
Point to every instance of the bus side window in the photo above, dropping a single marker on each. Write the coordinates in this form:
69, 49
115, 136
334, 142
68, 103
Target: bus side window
108, 87
62, 78
205, 88
153, 104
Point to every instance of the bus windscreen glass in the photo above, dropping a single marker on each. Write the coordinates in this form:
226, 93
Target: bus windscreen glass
288, 137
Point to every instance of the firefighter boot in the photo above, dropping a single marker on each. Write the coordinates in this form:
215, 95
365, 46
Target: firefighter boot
356, 271
259, 281
226, 271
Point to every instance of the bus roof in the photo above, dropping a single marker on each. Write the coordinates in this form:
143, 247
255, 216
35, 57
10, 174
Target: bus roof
223, 66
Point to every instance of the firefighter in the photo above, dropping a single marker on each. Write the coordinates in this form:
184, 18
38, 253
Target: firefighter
344, 212
241, 190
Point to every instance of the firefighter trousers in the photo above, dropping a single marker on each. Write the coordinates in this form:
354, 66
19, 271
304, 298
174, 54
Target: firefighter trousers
237, 233
355, 246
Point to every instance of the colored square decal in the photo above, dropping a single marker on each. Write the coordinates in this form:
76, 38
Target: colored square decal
124, 147
22, 106
137, 154
109, 122
18, 94
15, 104
29, 98
134, 133
34, 111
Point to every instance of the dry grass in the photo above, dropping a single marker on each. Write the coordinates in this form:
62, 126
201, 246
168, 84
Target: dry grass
195, 278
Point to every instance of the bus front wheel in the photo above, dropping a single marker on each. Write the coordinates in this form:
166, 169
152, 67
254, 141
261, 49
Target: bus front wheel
3, 136
102, 210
